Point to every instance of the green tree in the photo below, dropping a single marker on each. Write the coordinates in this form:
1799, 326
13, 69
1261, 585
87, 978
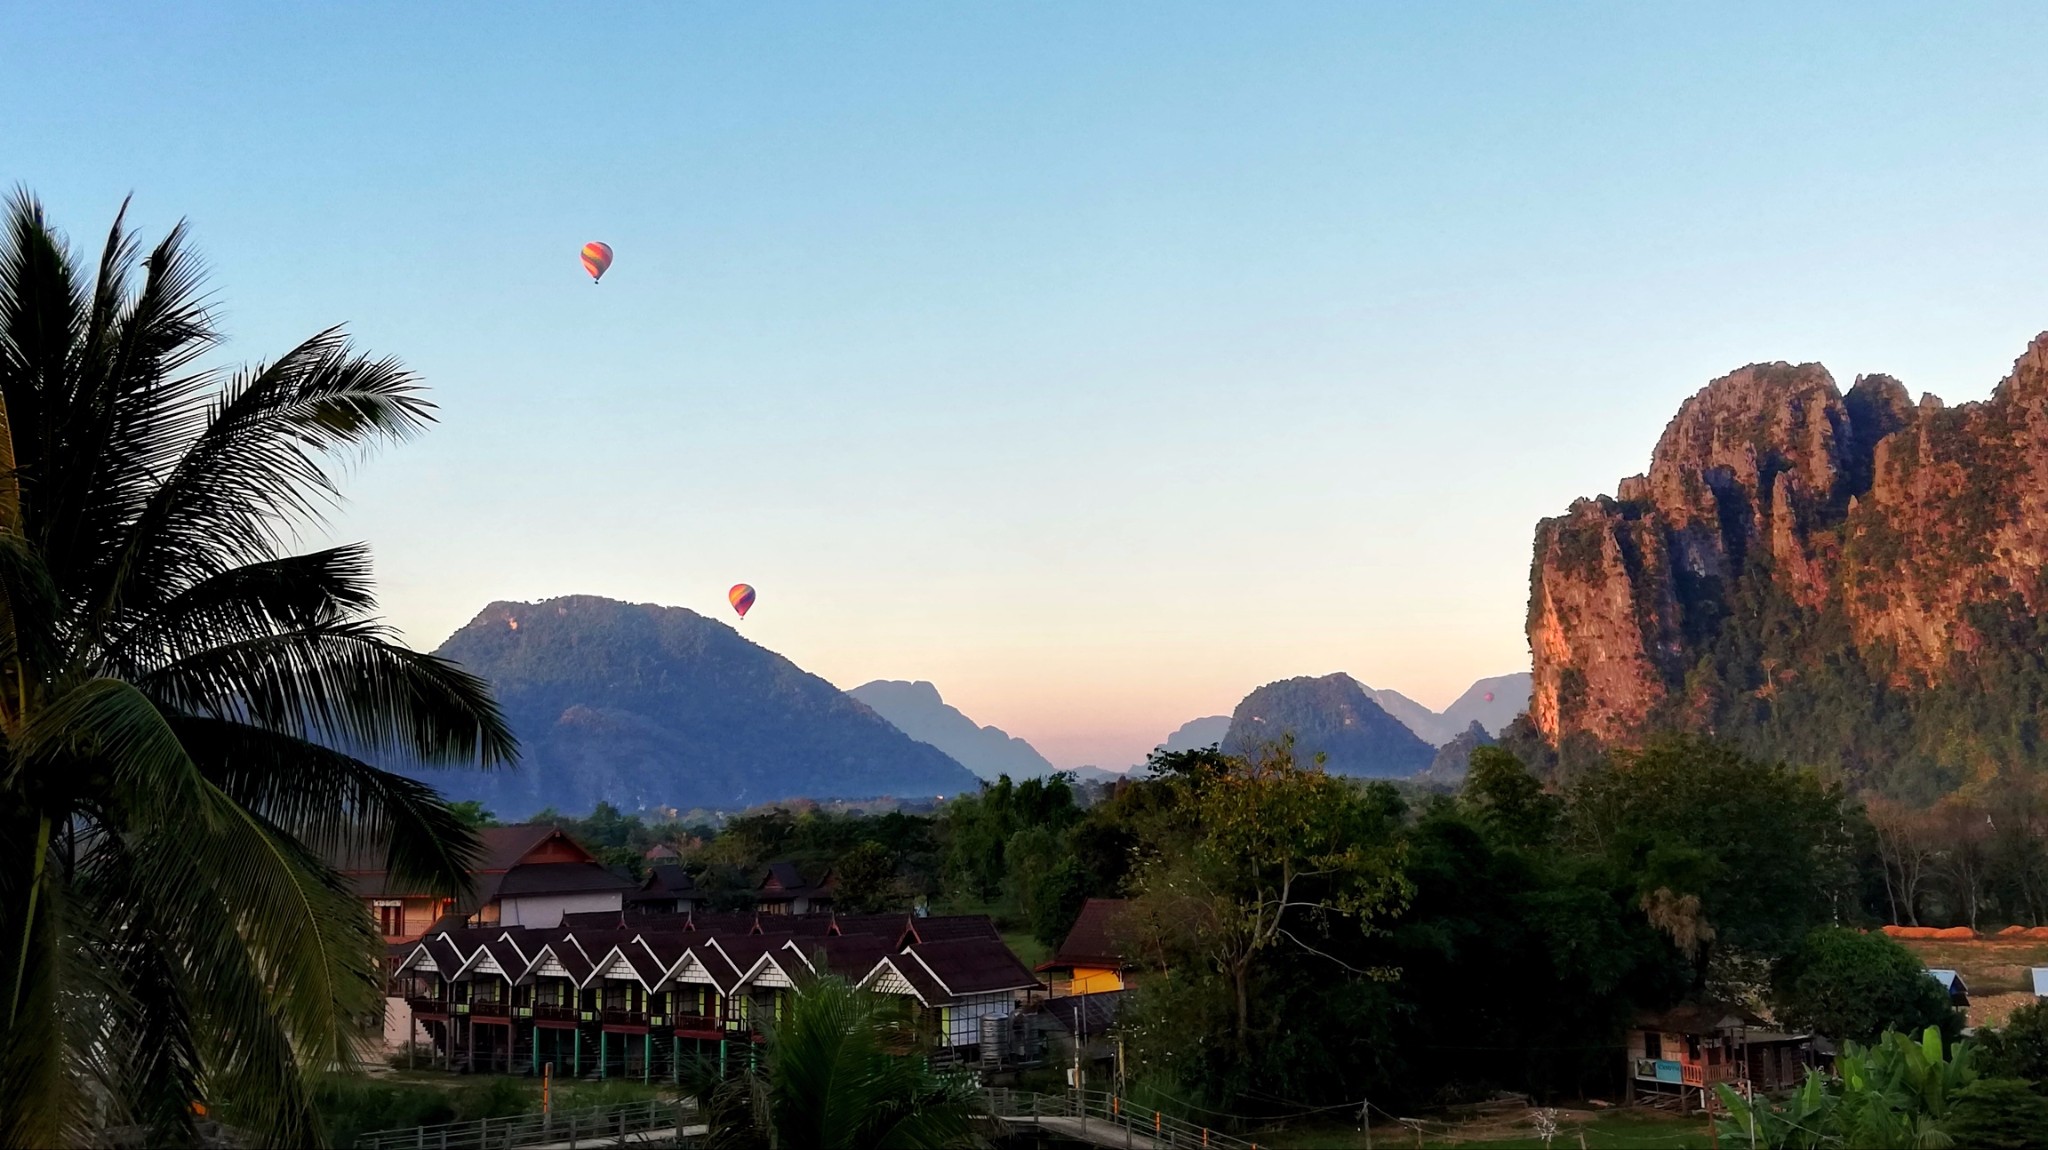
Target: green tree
867, 879
1849, 985
837, 1077
1998, 1114
1510, 800
1728, 852
2018, 1049
1282, 848
187, 705
473, 815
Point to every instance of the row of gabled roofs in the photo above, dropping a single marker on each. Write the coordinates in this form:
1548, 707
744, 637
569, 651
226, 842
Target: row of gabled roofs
936, 960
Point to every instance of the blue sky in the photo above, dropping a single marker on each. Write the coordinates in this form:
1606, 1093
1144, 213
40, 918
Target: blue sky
1095, 362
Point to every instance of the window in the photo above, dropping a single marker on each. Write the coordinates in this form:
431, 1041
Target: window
391, 921
1653, 1045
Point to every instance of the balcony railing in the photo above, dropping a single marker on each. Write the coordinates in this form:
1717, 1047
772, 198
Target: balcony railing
1700, 1074
490, 1009
554, 1012
623, 1017
706, 1023
425, 1005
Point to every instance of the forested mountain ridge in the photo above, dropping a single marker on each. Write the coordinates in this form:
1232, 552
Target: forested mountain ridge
641, 705
1331, 716
1850, 579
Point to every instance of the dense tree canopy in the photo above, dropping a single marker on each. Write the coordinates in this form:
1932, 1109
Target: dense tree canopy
1850, 985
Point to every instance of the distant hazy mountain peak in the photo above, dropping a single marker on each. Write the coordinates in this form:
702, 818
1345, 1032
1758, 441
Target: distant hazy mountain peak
917, 709
1330, 715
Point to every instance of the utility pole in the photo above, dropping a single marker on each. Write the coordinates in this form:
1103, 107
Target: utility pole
1365, 1120
1080, 1093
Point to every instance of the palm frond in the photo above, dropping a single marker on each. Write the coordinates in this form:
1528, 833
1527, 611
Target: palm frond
347, 684
336, 804
248, 602
257, 469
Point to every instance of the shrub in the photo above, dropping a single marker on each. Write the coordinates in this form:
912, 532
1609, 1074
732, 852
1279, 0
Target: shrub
2019, 1049
1853, 986
1998, 1114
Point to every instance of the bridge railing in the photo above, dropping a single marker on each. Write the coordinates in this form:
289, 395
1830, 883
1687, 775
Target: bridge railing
594, 1126
1114, 1113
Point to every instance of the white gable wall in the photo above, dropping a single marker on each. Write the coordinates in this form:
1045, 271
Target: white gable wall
543, 911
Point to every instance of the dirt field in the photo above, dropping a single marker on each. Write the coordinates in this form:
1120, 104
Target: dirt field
1996, 971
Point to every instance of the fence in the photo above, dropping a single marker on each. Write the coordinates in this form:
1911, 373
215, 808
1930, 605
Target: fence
663, 1124
1111, 1113
596, 1126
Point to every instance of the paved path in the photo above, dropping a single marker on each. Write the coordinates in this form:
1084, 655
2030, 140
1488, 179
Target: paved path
1096, 1131
666, 1135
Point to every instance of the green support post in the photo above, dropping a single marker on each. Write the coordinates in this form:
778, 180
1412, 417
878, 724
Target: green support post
536, 1052
647, 1057
577, 1052
604, 1054
721, 1057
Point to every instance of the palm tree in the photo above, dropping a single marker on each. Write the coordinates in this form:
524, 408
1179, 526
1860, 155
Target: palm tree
187, 707
840, 1074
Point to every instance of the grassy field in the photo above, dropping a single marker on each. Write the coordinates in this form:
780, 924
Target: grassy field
1024, 946
1995, 970
1595, 1130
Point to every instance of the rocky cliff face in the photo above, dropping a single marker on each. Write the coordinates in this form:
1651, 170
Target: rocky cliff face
1850, 577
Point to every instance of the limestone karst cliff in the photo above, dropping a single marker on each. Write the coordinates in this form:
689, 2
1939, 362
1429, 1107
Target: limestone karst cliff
1853, 579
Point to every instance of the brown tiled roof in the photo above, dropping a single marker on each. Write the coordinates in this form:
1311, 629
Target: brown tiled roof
782, 876
719, 922
1697, 1018
572, 960
665, 882
974, 965
784, 881
1092, 941
850, 956
559, 878
582, 920
920, 979
363, 868
939, 928
895, 924
505, 846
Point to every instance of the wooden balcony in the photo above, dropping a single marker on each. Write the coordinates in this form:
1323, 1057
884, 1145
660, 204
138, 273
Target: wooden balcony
490, 1009
425, 1005
554, 1012
704, 1024
622, 1017
1700, 1074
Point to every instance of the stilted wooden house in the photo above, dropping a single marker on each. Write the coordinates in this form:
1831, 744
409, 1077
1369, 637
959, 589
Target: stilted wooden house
1688, 1050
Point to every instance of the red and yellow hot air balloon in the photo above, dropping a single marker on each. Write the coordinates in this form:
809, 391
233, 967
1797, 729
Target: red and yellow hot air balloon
596, 258
1489, 696
742, 597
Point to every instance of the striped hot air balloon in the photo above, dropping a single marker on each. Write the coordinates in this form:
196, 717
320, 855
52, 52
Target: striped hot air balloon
742, 597
596, 258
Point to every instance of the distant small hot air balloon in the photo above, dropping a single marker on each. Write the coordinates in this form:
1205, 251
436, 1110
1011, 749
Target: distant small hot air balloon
596, 258
742, 597
1489, 696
